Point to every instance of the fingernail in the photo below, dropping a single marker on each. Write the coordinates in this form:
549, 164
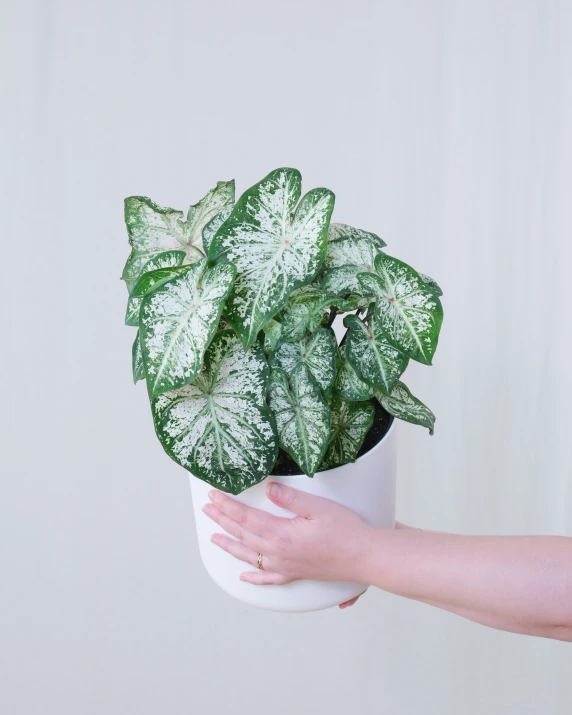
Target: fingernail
212, 494
275, 489
206, 508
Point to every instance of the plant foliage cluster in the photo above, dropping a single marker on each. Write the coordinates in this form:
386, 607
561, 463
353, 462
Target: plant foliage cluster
234, 305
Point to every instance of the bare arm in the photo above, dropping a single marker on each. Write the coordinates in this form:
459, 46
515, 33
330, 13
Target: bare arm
521, 584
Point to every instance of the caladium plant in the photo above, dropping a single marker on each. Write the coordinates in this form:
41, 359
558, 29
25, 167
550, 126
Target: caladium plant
234, 306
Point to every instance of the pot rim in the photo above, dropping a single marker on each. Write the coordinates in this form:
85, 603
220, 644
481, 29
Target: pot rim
342, 466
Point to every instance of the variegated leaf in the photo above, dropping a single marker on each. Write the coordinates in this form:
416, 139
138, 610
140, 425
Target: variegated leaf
432, 283
177, 322
342, 230
347, 384
147, 282
306, 310
137, 360
201, 213
375, 361
153, 229
166, 259
409, 312
209, 231
351, 421
345, 259
318, 353
219, 427
272, 332
402, 404
302, 416
275, 246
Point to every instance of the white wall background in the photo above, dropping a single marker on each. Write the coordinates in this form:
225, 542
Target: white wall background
446, 127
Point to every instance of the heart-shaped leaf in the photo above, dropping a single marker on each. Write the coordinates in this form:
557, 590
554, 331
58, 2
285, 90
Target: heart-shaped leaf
351, 421
318, 353
409, 312
209, 231
272, 332
153, 229
302, 416
137, 360
375, 361
177, 322
166, 259
147, 282
201, 213
432, 283
275, 246
342, 230
402, 404
345, 259
347, 384
306, 309
219, 427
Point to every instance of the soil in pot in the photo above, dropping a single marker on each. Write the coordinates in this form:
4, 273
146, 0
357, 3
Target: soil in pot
286, 467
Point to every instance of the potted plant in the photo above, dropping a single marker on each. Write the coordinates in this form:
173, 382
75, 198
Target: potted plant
239, 307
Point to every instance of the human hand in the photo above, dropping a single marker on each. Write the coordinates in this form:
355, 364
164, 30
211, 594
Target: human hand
324, 541
351, 602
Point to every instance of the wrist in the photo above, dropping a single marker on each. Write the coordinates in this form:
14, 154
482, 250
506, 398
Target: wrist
371, 555
385, 556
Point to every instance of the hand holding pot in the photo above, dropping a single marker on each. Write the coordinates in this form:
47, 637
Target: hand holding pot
324, 541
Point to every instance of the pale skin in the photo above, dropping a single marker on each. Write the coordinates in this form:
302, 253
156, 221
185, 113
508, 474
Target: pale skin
521, 584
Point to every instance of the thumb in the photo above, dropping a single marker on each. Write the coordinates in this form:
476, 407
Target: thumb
299, 502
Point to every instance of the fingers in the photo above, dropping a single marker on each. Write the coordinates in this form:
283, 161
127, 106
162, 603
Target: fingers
232, 527
237, 549
351, 602
243, 553
254, 520
264, 578
301, 503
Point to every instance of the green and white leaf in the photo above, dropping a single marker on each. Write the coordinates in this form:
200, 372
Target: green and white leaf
201, 213
145, 284
306, 310
275, 245
272, 333
347, 384
432, 283
374, 360
219, 427
402, 404
342, 230
137, 360
345, 259
302, 416
409, 312
209, 231
153, 229
351, 421
318, 353
177, 322
166, 259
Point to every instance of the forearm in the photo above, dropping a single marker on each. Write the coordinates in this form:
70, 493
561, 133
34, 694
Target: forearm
516, 583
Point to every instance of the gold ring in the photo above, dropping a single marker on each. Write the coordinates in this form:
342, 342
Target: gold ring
259, 562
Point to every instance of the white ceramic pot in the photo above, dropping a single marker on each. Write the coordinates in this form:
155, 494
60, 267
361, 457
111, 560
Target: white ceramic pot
367, 486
